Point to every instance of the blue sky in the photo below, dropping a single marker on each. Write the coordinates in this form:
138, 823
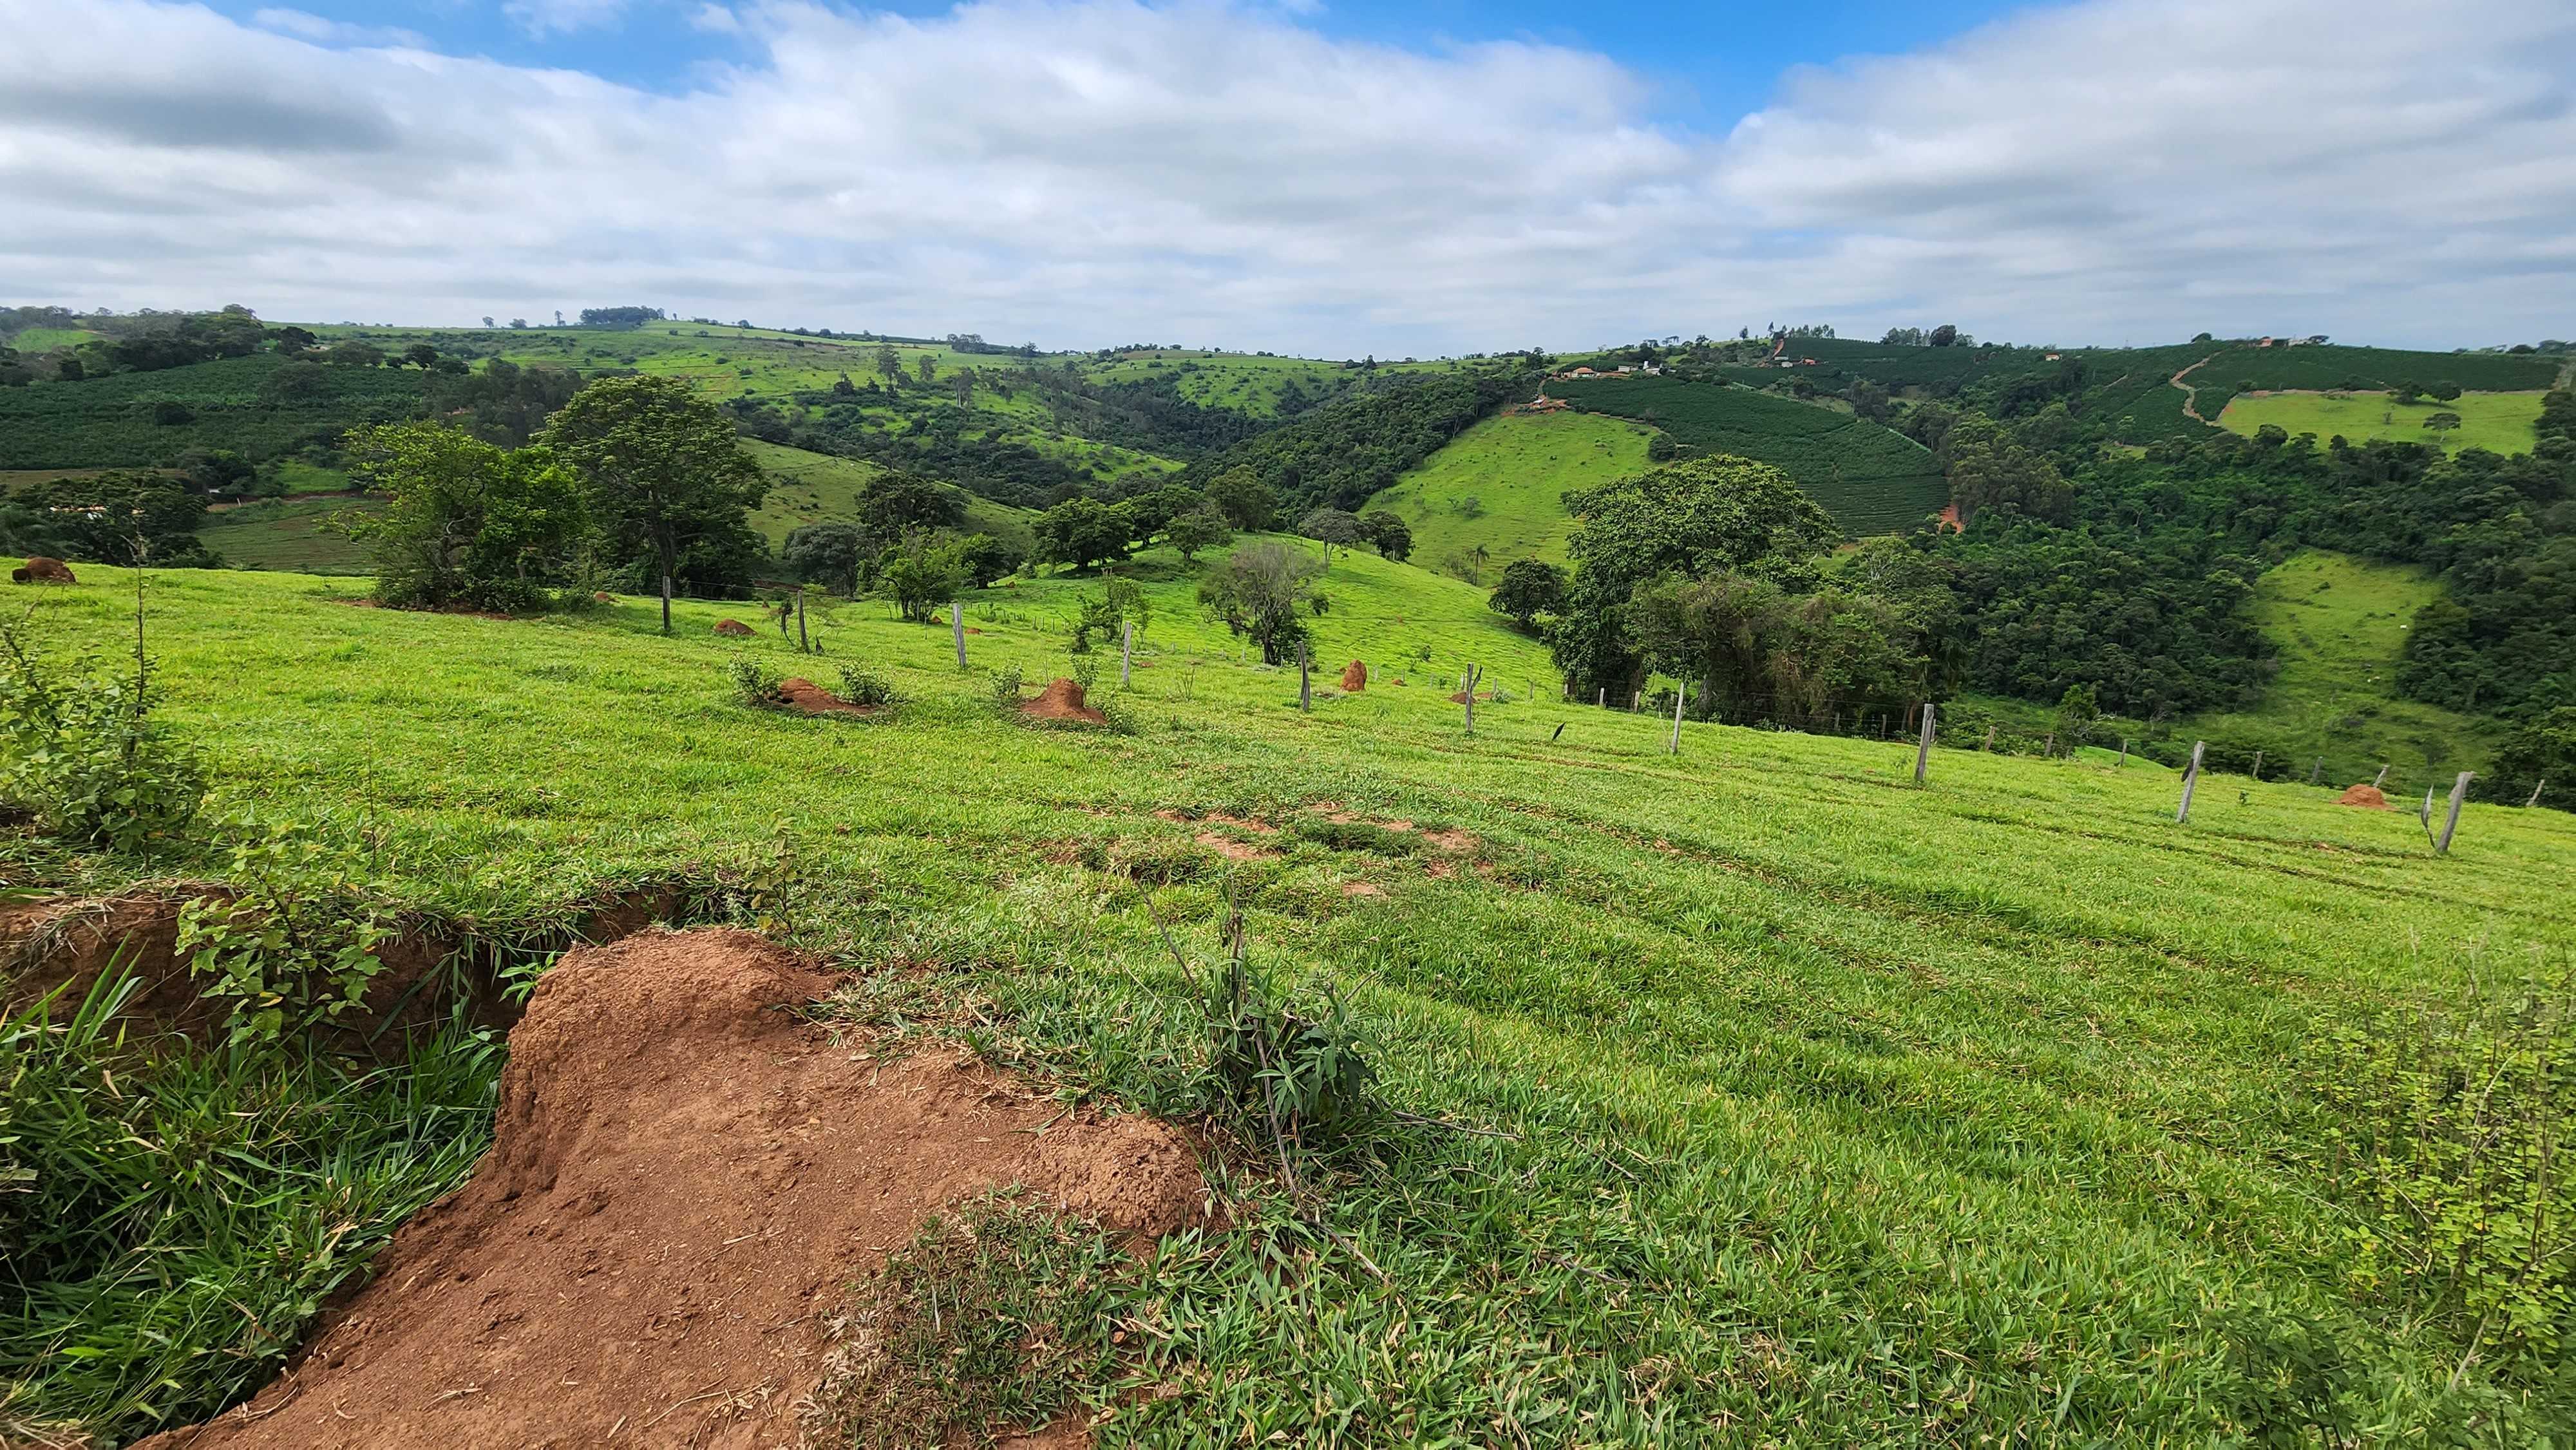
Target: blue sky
1415, 179
1717, 60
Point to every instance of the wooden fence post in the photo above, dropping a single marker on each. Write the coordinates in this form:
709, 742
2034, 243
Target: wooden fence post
957, 629
2382, 780
1990, 739
2426, 814
802, 647
1923, 750
1126, 651
2258, 765
2535, 793
1305, 684
2451, 823
2124, 753
2319, 773
1604, 701
2190, 778
1681, 692
1470, 680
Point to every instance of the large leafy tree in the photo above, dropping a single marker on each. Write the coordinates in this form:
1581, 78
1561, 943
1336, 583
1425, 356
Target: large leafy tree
665, 477
467, 524
1085, 533
1332, 528
1257, 591
1529, 588
1693, 519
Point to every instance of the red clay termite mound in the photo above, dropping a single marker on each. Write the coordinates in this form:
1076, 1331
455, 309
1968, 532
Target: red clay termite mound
1354, 678
2365, 796
1062, 700
803, 694
684, 1179
40, 570
733, 627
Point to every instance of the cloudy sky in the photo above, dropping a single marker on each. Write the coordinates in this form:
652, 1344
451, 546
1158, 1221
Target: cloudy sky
1316, 176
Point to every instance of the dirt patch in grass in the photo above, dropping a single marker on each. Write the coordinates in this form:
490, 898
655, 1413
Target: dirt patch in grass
1062, 700
798, 693
684, 1179
1232, 849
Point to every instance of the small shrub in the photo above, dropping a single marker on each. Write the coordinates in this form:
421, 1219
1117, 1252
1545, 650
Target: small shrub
84, 757
752, 684
2445, 1133
1007, 685
1358, 836
1086, 672
862, 686
294, 948
1297, 1080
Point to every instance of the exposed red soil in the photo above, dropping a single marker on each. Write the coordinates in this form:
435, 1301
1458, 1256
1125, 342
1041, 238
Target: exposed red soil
1459, 697
1219, 818
40, 570
1453, 840
1062, 700
1354, 678
685, 1178
1361, 888
1232, 849
2368, 797
733, 628
803, 694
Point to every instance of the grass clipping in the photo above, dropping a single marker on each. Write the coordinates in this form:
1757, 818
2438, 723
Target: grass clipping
988, 1321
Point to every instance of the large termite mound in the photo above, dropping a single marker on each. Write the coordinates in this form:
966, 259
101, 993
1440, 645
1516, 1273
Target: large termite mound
1062, 700
2368, 797
41, 570
684, 1179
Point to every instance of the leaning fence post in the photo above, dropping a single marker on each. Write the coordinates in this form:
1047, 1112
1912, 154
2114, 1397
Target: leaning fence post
1681, 692
2124, 753
2190, 778
957, 629
2535, 793
1470, 680
1305, 684
2258, 765
2382, 780
1923, 750
2451, 823
2319, 773
1126, 651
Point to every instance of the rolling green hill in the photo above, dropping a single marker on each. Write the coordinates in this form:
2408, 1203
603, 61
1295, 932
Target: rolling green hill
1749, 1093
1494, 493
810, 488
1871, 479
2340, 625
295, 534
149, 419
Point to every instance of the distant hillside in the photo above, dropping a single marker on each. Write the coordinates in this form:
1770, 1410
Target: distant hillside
1871, 479
1494, 494
2498, 422
147, 419
812, 488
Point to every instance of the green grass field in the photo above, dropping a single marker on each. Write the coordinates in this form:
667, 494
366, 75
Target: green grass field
809, 488
2499, 422
2340, 625
34, 340
1837, 1111
1495, 492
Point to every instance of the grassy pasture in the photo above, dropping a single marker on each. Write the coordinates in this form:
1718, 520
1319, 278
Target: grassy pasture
1494, 493
1843, 1112
45, 339
2499, 422
2340, 625
295, 534
808, 488
1873, 480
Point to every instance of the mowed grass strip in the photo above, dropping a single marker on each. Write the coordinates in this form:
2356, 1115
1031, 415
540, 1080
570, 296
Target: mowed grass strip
1843, 1111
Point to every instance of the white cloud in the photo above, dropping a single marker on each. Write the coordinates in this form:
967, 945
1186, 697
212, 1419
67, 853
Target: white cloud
562, 17
1080, 171
304, 25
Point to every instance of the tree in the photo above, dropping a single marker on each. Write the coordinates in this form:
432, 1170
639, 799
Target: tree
1257, 592
217, 472
1944, 335
922, 573
420, 355
988, 559
1203, 527
1329, 527
1693, 519
1084, 533
664, 472
354, 353
2541, 749
1529, 589
98, 518
2077, 709
624, 319
894, 504
1243, 498
2444, 392
926, 368
889, 362
519, 322
1989, 469
1388, 534
487, 321
829, 554
2442, 422
293, 340
466, 524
